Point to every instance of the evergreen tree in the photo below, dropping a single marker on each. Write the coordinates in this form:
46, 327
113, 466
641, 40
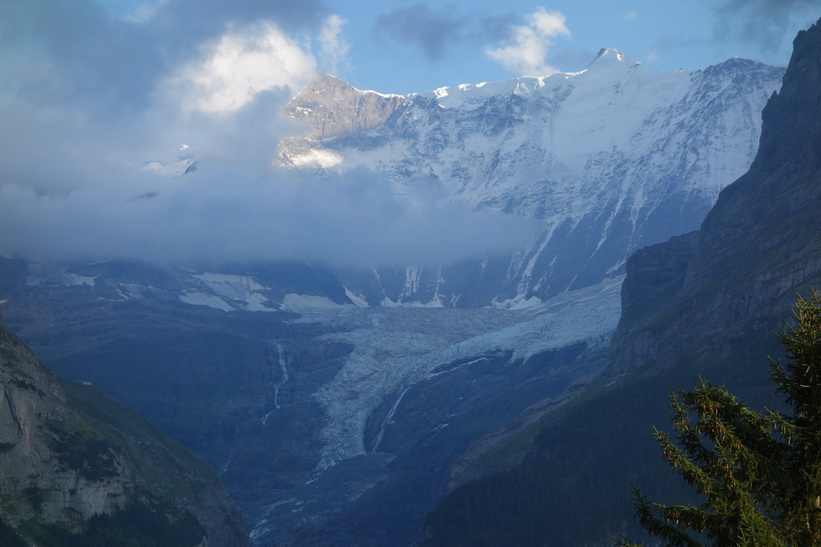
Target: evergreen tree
759, 473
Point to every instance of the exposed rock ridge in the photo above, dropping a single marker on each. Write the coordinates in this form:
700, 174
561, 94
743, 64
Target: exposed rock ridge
328, 102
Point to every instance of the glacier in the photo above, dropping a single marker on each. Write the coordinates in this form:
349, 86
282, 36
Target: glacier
603, 161
396, 347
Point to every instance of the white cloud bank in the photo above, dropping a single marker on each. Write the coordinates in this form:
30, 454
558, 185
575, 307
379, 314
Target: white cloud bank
527, 48
223, 213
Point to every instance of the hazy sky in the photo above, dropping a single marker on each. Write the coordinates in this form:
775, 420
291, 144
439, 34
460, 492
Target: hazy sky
92, 89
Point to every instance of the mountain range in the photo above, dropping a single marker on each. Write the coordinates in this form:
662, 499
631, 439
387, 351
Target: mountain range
603, 161
333, 402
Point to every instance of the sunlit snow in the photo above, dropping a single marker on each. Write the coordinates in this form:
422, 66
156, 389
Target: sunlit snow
316, 158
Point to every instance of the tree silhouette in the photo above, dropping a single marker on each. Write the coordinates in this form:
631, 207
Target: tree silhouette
758, 472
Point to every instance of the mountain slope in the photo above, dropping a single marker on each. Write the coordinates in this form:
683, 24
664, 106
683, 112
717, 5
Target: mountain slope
75, 465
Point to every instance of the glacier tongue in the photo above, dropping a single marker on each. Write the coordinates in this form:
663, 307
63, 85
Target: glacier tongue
395, 348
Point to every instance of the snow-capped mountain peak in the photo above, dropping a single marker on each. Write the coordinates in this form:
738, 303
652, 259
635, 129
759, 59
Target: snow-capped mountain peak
605, 160
609, 54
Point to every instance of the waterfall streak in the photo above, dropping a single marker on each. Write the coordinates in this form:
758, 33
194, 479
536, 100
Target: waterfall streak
378, 439
284, 370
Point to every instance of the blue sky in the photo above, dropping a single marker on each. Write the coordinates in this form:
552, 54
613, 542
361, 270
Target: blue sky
407, 47
133, 53
398, 46
90, 90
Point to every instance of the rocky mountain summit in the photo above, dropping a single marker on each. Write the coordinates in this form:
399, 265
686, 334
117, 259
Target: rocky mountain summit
326, 104
76, 464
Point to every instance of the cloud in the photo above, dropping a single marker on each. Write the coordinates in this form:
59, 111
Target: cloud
527, 49
436, 31
630, 16
204, 19
431, 30
241, 64
333, 55
60, 53
224, 213
87, 98
93, 200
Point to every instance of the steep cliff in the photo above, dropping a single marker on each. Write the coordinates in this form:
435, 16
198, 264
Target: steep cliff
76, 464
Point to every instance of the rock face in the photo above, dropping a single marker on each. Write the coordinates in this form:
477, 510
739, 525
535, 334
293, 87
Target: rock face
326, 104
603, 162
70, 454
34, 411
756, 249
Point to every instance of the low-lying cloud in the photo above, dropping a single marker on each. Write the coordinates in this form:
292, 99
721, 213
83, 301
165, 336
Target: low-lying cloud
227, 213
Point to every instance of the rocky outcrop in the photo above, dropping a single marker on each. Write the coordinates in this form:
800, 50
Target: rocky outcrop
69, 454
333, 108
756, 249
38, 431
